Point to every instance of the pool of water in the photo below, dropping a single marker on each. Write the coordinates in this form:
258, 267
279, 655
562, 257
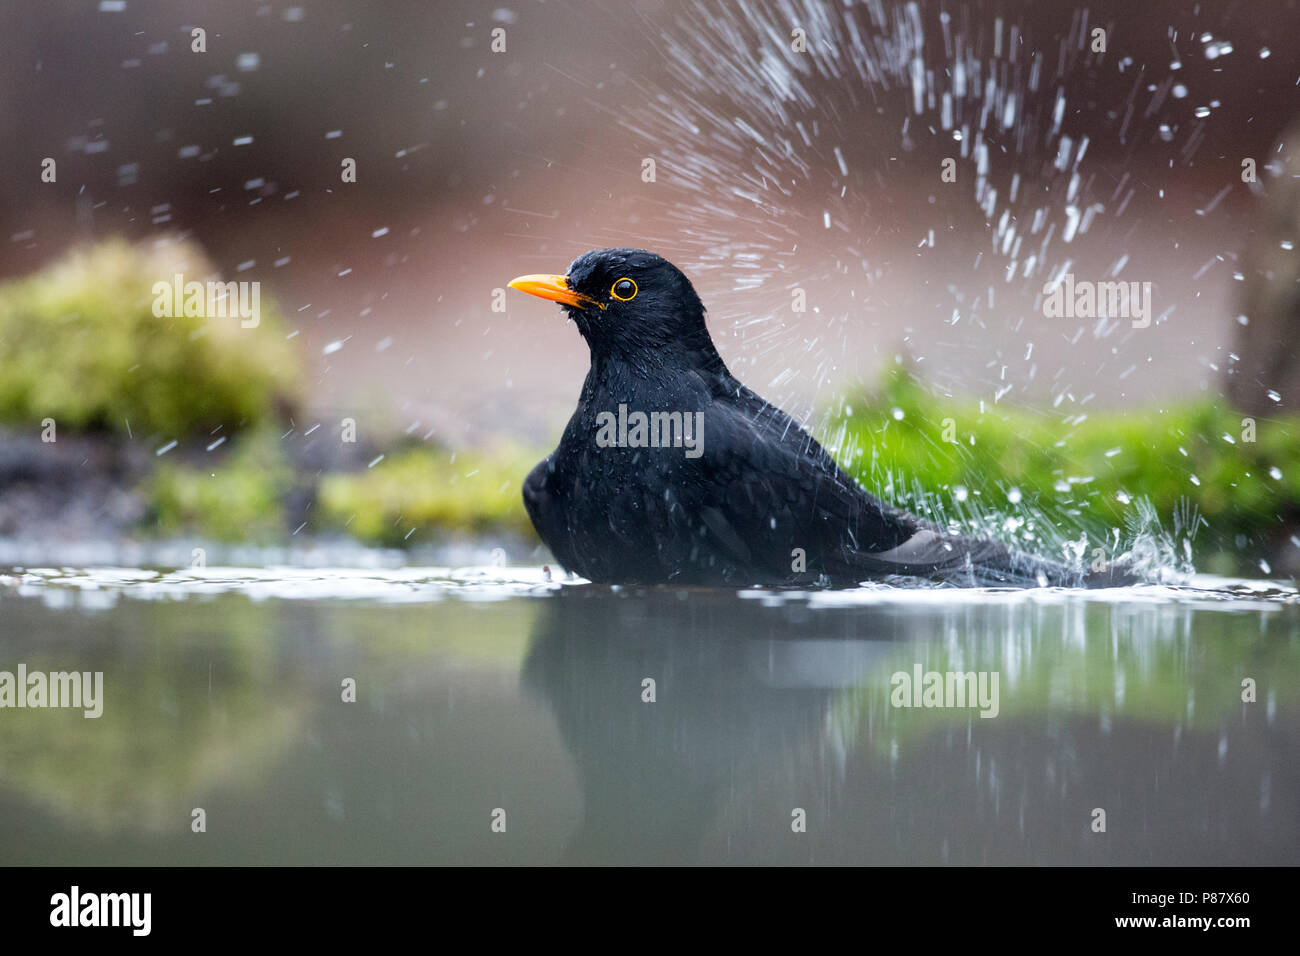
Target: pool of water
501, 717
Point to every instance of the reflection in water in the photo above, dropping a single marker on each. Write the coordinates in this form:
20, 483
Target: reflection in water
163, 733
733, 688
761, 710
531, 701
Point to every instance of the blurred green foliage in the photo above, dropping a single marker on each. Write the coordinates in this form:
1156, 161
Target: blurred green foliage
430, 490
79, 343
1186, 454
240, 498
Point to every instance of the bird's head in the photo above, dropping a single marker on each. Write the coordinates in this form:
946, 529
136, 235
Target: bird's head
629, 302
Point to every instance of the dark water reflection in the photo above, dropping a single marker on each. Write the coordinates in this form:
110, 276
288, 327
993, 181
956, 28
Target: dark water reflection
533, 704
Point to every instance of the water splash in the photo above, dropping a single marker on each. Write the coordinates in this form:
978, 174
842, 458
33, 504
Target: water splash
796, 166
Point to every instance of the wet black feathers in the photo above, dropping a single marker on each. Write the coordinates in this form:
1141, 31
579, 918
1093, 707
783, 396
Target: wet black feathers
762, 503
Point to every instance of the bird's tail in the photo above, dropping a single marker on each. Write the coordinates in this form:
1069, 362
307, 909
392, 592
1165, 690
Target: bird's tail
970, 562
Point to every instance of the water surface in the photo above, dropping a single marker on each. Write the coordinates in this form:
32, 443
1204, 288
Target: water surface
487, 690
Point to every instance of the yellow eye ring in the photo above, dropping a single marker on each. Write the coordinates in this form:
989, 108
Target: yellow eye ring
613, 290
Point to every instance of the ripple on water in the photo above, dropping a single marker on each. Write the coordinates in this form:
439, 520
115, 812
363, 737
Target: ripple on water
100, 587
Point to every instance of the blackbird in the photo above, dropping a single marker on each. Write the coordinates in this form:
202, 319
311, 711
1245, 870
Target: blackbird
672, 471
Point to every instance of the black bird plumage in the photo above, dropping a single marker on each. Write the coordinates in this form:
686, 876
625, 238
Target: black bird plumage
760, 493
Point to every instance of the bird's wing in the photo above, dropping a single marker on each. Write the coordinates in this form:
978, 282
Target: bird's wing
782, 491
768, 495
546, 514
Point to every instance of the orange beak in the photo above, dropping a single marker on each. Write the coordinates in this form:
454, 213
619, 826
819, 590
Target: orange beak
555, 288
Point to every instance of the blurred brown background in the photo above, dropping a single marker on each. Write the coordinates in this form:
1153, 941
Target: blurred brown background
481, 166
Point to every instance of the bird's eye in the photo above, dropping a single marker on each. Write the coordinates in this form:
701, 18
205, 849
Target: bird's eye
623, 290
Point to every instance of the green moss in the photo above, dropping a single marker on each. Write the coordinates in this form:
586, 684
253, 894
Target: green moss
1188, 454
79, 343
405, 499
239, 498
430, 491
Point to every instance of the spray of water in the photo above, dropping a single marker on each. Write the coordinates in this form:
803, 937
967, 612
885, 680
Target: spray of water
792, 132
